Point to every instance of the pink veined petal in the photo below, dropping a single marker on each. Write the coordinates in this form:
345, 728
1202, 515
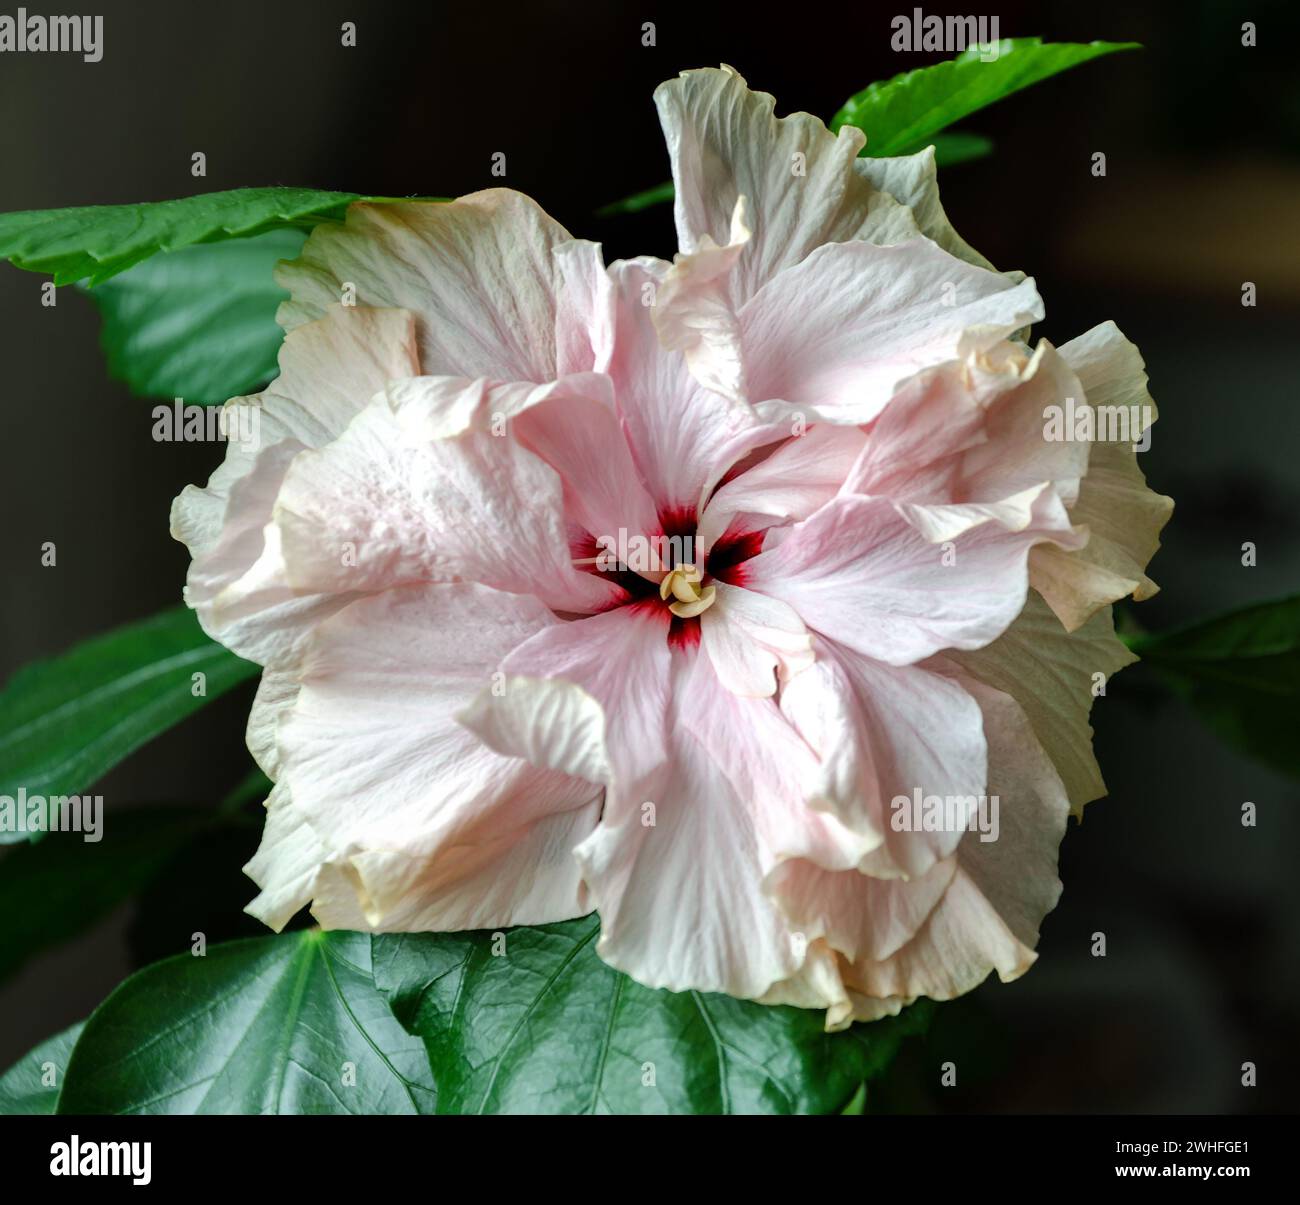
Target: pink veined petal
880, 732
753, 641
868, 317
679, 883
388, 503
816, 984
1122, 515
419, 815
804, 185
802, 474
694, 313
989, 916
860, 573
683, 437
584, 310
570, 423
1037, 509
990, 459
912, 449
589, 698
861, 917
477, 272
581, 439
1016, 453
328, 371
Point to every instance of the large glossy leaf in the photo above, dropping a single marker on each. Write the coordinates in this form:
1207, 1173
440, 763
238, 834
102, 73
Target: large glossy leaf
542, 1025
94, 242
32, 1085
285, 1024
902, 115
75, 883
1241, 672
66, 722
198, 323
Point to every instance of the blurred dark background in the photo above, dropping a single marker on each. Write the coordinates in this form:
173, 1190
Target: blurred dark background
1202, 139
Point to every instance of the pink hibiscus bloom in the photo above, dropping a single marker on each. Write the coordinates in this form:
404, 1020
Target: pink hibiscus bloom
870, 577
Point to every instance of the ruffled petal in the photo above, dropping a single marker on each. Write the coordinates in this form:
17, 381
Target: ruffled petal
396, 500
329, 369
753, 641
802, 183
912, 181
584, 313
801, 474
860, 573
683, 437
1122, 515
869, 317
988, 917
1055, 676
589, 698
478, 273
678, 878
405, 803
882, 732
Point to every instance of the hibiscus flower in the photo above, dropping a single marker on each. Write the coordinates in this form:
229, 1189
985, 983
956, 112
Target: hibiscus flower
881, 581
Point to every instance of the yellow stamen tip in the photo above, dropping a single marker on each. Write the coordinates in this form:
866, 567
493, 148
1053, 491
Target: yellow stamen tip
696, 606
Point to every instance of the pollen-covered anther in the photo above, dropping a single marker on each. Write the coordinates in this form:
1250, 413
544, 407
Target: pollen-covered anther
683, 585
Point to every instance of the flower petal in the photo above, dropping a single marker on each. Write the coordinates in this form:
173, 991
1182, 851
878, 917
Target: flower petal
329, 369
803, 473
683, 437
881, 732
860, 573
588, 698
390, 503
802, 183
1122, 515
753, 641
415, 811
1053, 675
679, 884
989, 916
869, 317
581, 439
477, 272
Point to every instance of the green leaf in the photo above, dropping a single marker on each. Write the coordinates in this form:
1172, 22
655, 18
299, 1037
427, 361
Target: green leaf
198, 323
75, 883
858, 1105
547, 1027
956, 147
657, 195
66, 722
285, 1024
902, 115
1241, 673
23, 1089
94, 242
